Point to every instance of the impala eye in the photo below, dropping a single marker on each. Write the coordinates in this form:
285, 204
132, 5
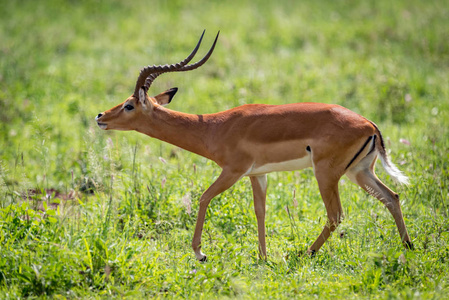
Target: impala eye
129, 107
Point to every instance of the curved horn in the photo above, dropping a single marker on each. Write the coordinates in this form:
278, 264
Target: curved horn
153, 76
148, 74
203, 60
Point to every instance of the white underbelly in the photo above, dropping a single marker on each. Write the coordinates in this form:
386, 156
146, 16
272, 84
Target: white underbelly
289, 165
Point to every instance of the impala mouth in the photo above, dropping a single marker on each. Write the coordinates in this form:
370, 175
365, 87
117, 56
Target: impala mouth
102, 125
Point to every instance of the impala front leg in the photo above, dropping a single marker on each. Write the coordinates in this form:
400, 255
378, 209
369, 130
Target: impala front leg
223, 182
259, 185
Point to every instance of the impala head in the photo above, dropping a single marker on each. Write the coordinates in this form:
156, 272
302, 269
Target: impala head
125, 116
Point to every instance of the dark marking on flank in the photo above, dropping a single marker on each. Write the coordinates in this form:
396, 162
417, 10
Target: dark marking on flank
308, 149
358, 153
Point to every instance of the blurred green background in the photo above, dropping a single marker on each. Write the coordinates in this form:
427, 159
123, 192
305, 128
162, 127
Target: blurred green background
63, 62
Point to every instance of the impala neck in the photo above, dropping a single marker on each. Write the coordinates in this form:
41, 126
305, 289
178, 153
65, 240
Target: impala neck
184, 130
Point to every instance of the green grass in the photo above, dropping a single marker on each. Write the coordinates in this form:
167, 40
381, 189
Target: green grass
118, 220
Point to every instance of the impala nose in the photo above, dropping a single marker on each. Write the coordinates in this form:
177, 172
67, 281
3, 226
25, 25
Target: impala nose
99, 116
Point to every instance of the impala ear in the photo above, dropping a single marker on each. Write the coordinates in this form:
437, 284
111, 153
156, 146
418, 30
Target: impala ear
165, 97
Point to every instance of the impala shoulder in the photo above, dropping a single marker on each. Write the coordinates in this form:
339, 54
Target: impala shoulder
243, 110
251, 107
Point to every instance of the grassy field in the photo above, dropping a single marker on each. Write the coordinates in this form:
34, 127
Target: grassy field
91, 214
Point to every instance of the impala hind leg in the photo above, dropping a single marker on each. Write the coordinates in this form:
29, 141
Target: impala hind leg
328, 186
363, 175
223, 182
259, 185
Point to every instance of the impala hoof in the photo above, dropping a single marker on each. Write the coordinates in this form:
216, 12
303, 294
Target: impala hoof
409, 245
200, 255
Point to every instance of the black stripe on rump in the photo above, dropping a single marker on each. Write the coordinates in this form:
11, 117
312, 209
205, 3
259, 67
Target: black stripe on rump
358, 153
374, 145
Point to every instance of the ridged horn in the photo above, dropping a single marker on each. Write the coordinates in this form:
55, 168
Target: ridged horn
149, 74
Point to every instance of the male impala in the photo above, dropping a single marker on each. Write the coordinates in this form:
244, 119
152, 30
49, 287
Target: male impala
253, 140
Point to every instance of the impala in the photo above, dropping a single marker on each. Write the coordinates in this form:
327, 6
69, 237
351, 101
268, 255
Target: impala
255, 139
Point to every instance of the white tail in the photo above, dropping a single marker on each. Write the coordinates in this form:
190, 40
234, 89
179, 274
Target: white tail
392, 170
389, 167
